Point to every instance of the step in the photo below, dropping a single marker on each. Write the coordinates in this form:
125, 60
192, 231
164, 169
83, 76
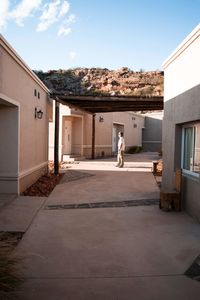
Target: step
72, 157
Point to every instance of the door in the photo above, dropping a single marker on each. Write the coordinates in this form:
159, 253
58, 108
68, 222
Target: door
114, 139
67, 139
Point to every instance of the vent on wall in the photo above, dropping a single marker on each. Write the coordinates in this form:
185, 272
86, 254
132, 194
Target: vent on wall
36, 94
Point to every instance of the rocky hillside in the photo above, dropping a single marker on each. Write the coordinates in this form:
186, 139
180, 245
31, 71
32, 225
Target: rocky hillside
96, 81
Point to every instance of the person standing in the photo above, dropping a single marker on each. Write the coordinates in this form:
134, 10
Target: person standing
121, 149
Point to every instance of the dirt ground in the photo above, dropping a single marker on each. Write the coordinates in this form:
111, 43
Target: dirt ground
46, 183
43, 186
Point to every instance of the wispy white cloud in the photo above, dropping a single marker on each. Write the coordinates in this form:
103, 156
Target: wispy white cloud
4, 7
71, 19
24, 10
72, 55
64, 31
52, 13
64, 9
47, 12
64, 28
49, 15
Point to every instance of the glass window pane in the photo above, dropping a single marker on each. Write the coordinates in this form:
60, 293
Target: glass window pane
197, 149
188, 149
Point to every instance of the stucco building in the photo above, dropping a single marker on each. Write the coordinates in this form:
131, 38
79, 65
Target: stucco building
23, 135
152, 132
75, 132
181, 124
27, 126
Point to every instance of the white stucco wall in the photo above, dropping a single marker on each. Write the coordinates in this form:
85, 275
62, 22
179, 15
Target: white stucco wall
181, 107
182, 66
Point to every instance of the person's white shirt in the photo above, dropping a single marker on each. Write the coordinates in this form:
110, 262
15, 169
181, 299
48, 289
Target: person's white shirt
121, 144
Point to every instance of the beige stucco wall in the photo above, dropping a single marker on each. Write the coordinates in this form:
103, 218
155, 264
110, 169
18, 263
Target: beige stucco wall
103, 131
19, 83
64, 111
9, 128
77, 135
81, 140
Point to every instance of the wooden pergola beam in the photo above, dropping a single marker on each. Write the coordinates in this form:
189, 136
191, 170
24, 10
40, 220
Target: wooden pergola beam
100, 104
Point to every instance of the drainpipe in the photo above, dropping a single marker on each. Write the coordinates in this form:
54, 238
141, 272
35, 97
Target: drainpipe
93, 136
56, 139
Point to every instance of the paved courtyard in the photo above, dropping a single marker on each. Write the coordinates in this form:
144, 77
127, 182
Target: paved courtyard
137, 252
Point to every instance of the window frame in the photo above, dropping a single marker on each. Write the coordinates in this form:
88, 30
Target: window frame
185, 171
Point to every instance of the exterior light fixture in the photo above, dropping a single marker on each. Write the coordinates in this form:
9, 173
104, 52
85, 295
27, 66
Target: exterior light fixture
38, 113
101, 119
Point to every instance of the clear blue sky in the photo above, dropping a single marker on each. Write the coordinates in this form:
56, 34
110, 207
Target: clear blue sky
60, 34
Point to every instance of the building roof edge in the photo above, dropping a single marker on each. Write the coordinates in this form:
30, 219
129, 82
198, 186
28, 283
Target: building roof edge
182, 46
5, 44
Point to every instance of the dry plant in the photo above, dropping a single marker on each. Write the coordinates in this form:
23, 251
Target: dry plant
10, 278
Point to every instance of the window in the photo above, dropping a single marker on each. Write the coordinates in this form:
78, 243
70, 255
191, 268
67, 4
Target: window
191, 149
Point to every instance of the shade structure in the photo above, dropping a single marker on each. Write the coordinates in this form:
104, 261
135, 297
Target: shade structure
100, 104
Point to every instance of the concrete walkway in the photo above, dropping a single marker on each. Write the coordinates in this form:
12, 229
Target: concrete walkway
108, 253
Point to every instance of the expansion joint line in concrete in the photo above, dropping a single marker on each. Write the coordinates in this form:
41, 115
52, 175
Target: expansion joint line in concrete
103, 277
114, 204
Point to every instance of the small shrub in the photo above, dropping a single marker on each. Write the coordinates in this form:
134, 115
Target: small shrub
134, 149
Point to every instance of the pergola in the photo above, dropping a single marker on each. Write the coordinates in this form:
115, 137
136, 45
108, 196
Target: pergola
101, 104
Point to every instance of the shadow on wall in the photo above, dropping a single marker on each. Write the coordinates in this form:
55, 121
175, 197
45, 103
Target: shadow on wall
152, 134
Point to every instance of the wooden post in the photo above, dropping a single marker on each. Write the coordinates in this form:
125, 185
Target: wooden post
93, 136
56, 139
